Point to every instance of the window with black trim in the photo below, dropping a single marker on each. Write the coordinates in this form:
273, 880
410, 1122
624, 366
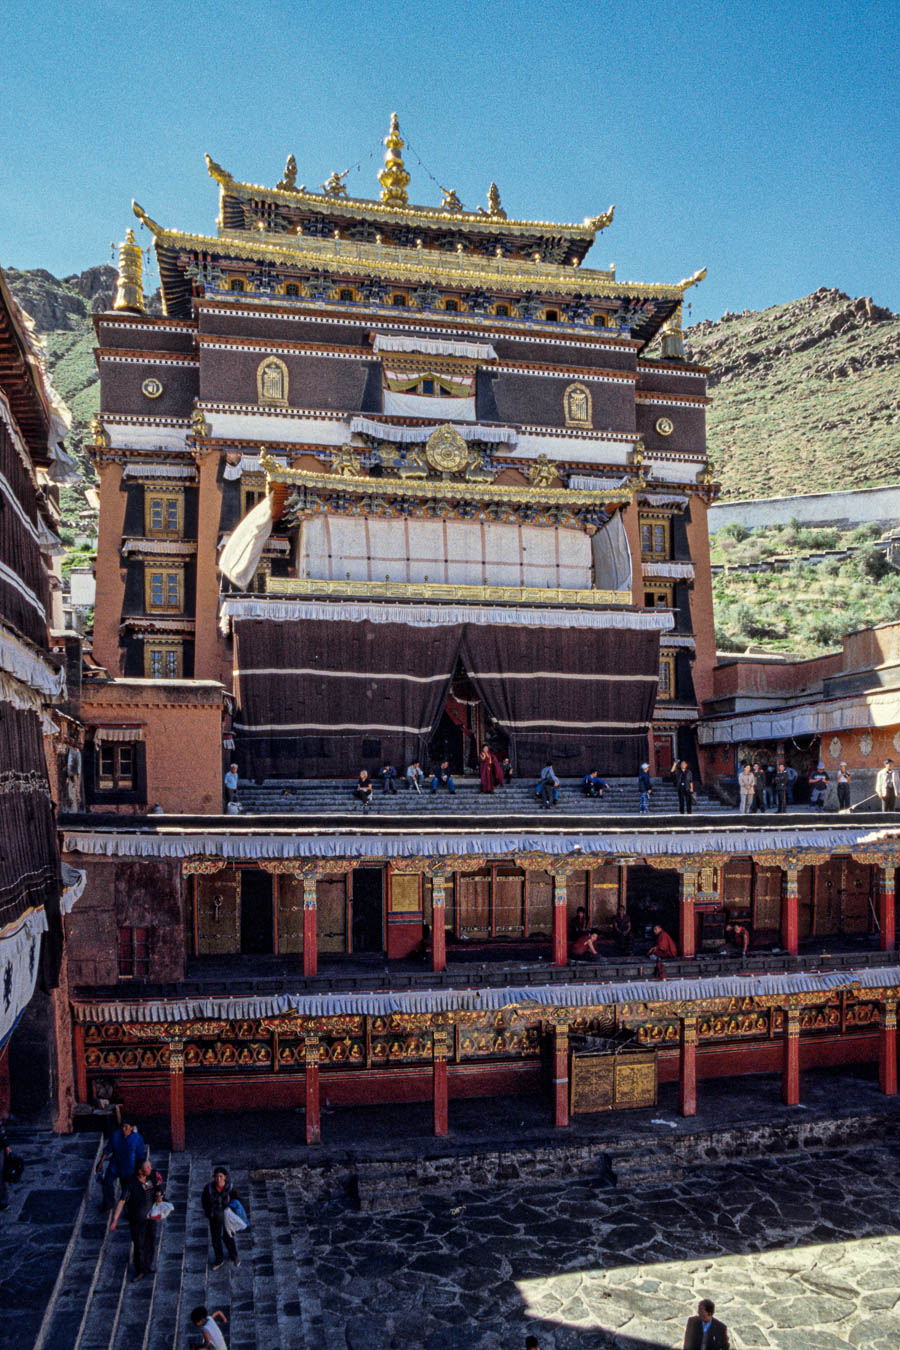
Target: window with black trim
250, 497
399, 300
116, 768
292, 289
661, 595
551, 316
451, 306
134, 953
502, 311
164, 590
236, 284
163, 513
345, 293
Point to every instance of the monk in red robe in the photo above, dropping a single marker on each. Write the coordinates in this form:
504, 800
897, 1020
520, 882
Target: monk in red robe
663, 945
489, 769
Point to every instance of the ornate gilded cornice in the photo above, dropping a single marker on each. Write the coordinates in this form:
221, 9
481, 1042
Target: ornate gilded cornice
311, 588
368, 260
446, 489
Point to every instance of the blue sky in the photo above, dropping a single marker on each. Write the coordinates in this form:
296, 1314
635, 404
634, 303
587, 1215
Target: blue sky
759, 140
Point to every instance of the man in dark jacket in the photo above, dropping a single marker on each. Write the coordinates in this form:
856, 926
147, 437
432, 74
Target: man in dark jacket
645, 787
684, 782
140, 1193
705, 1332
217, 1196
759, 789
781, 788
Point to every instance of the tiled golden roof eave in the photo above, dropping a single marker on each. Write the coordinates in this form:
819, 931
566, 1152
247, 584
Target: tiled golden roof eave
368, 209
531, 276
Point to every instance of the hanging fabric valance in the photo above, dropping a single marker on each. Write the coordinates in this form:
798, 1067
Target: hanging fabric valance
239, 608
119, 732
475, 431
31, 667
173, 471
19, 948
472, 351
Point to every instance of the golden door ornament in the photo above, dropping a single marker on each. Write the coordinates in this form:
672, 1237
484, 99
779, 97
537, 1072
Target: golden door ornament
272, 382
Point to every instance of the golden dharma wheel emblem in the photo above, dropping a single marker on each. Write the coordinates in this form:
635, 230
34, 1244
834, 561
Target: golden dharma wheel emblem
152, 388
446, 451
665, 426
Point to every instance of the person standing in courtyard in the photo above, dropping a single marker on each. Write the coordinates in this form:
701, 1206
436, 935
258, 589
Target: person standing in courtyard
781, 788
843, 786
706, 1332
747, 785
217, 1196
886, 785
644, 787
684, 782
231, 785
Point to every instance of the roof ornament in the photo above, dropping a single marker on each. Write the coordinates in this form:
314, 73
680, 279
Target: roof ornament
451, 201
130, 283
99, 433
393, 178
542, 472
221, 176
334, 187
600, 222
142, 216
673, 336
289, 182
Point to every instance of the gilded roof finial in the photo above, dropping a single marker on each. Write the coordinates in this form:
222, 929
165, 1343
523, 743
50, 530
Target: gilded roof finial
673, 337
289, 182
494, 207
393, 178
130, 285
334, 187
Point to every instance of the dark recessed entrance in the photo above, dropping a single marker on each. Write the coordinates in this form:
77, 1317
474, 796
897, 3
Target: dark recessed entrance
257, 927
368, 909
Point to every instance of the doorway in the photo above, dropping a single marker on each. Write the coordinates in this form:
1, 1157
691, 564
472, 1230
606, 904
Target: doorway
368, 909
257, 916
663, 752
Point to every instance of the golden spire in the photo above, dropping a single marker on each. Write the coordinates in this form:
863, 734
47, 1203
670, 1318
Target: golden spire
130, 286
673, 337
393, 177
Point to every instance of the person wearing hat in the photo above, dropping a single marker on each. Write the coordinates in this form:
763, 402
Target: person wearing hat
886, 785
217, 1196
843, 786
645, 787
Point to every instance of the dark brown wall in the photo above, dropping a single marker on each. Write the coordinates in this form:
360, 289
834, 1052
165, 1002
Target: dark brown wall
660, 380
144, 338
229, 375
120, 388
539, 399
689, 435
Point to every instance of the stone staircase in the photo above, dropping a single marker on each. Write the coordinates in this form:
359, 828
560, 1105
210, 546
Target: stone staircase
96, 1306
310, 796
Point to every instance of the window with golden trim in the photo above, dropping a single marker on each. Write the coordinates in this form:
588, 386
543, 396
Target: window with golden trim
656, 540
661, 595
164, 590
251, 496
551, 316
501, 311
451, 306
163, 513
236, 284
399, 300
346, 293
292, 290
666, 677
116, 768
162, 660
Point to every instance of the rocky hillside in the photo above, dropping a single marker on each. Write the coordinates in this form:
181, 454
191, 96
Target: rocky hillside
806, 396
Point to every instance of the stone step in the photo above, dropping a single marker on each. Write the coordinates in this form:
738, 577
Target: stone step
78, 1273
388, 1187
642, 1167
165, 1302
196, 1256
319, 1332
287, 1304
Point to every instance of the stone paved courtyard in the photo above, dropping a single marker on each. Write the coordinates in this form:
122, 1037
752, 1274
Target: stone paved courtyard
801, 1254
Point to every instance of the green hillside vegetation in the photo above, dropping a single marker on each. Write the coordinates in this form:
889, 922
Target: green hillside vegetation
808, 607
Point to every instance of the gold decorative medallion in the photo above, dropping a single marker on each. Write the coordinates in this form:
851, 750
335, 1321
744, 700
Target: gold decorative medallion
152, 388
577, 406
665, 426
446, 451
272, 382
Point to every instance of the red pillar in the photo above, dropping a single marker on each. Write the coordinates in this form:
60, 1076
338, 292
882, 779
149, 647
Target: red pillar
687, 945
440, 1049
313, 1112
560, 1074
887, 1049
560, 942
790, 1074
687, 1068
886, 912
438, 924
790, 916
176, 1095
310, 927
81, 1091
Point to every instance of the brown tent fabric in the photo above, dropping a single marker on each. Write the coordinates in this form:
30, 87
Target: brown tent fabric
582, 698
29, 864
320, 698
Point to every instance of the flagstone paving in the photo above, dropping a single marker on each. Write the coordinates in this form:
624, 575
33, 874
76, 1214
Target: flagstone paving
800, 1252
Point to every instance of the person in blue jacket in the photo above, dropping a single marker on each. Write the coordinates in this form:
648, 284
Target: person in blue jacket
592, 785
123, 1155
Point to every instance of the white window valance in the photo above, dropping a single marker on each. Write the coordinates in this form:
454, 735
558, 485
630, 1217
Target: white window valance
669, 571
31, 667
119, 733
585, 482
173, 471
235, 608
364, 426
471, 351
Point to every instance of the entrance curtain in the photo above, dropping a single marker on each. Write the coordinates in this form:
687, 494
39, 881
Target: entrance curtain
324, 699
583, 699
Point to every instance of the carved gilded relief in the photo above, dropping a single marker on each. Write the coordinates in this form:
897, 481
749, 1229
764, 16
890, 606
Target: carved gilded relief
272, 382
577, 406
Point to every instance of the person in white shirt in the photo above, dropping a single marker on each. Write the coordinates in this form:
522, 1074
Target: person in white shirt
206, 1323
747, 785
886, 785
